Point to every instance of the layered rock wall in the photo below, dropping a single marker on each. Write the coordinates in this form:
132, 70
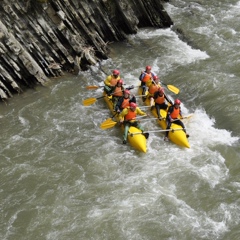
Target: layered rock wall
40, 39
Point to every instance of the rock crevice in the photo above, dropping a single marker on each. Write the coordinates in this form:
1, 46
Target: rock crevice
40, 39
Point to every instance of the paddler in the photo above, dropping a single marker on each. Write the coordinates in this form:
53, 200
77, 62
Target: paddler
124, 101
173, 113
160, 101
117, 92
128, 118
153, 86
111, 81
144, 78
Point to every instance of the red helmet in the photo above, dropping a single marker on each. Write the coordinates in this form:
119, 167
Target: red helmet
120, 81
127, 92
177, 101
148, 68
133, 105
116, 72
155, 77
161, 90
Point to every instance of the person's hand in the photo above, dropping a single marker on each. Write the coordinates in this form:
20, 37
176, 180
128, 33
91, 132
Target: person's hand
130, 87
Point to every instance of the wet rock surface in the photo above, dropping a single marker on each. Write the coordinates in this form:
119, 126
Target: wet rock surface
40, 39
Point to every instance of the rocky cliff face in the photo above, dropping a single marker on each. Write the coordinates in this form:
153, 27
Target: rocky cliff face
40, 39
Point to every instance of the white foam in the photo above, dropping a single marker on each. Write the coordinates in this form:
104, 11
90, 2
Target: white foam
23, 121
180, 52
204, 132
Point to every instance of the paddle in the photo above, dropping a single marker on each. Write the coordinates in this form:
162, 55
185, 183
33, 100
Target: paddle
109, 123
110, 119
90, 101
93, 87
146, 119
187, 117
151, 131
171, 88
181, 118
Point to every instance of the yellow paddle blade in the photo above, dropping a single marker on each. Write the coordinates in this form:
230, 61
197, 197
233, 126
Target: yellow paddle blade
107, 120
173, 89
108, 124
89, 101
187, 117
92, 87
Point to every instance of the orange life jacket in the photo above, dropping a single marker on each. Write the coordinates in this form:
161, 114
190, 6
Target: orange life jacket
114, 80
147, 77
160, 99
153, 88
118, 92
175, 113
130, 115
125, 103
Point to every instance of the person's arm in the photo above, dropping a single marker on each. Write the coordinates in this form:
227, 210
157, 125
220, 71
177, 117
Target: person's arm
170, 110
130, 87
180, 112
119, 104
155, 96
142, 76
133, 99
107, 80
113, 89
123, 114
140, 112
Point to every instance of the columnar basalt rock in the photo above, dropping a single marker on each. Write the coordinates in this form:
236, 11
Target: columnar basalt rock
40, 39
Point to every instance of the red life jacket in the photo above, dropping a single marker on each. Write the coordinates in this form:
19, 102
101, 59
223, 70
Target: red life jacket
125, 103
153, 88
160, 99
175, 113
147, 77
114, 80
118, 92
130, 115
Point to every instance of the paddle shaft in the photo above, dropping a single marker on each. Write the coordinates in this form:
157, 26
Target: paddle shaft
90, 101
165, 118
93, 87
152, 131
